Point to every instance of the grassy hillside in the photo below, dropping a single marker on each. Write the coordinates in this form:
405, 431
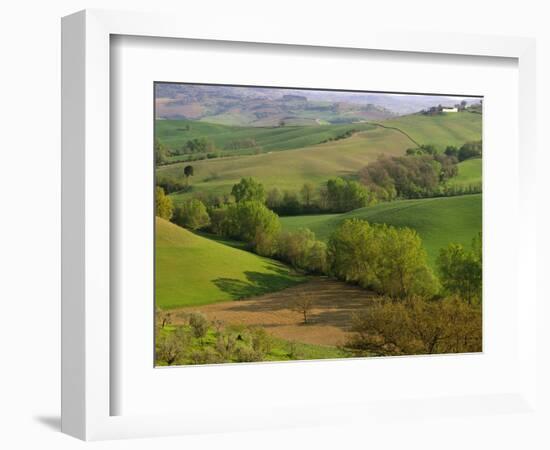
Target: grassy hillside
438, 221
308, 161
192, 270
441, 130
469, 173
291, 169
175, 133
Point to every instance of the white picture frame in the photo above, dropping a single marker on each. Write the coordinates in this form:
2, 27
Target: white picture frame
86, 223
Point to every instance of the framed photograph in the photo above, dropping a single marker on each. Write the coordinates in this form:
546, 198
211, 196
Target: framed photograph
255, 218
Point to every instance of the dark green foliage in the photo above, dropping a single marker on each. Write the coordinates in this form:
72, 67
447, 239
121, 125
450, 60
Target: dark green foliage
470, 150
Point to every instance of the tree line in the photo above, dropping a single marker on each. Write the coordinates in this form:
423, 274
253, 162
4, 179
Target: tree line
422, 172
417, 311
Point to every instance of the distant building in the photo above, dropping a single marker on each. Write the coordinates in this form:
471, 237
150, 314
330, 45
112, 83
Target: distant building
449, 109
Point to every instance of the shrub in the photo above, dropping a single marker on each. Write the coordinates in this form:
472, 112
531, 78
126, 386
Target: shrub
168, 348
163, 204
198, 324
247, 354
192, 215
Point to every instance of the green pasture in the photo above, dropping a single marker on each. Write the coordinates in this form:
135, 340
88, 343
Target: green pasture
438, 221
192, 270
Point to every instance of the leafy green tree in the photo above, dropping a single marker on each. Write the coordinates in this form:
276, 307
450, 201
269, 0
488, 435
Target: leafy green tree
188, 171
460, 270
245, 219
302, 250
163, 204
307, 191
346, 195
161, 153
388, 260
274, 198
470, 150
248, 189
192, 214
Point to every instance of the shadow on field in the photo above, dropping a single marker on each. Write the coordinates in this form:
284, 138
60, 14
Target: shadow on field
257, 283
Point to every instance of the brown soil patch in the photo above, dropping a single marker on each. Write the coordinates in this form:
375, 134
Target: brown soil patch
328, 322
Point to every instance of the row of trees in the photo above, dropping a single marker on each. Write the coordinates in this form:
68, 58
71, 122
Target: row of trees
417, 326
469, 150
423, 172
391, 177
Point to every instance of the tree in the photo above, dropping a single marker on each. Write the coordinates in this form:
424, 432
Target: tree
461, 270
418, 326
198, 324
451, 150
161, 153
388, 260
470, 150
163, 204
302, 304
274, 198
188, 171
248, 189
346, 195
302, 250
168, 348
244, 220
308, 190
192, 214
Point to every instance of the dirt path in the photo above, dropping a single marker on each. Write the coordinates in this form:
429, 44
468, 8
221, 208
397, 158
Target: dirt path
328, 322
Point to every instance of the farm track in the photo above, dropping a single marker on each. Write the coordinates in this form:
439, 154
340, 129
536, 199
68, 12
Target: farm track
329, 321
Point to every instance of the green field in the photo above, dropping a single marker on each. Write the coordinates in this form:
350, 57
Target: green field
306, 161
174, 134
440, 130
193, 270
438, 221
469, 173
291, 169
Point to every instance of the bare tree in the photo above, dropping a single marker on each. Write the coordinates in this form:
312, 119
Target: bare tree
303, 305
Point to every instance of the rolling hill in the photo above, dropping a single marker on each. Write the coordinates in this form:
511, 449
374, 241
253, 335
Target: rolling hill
440, 130
305, 160
469, 173
233, 139
193, 270
438, 221
289, 170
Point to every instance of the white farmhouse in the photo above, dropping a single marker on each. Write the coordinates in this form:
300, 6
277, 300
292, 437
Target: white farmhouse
449, 109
